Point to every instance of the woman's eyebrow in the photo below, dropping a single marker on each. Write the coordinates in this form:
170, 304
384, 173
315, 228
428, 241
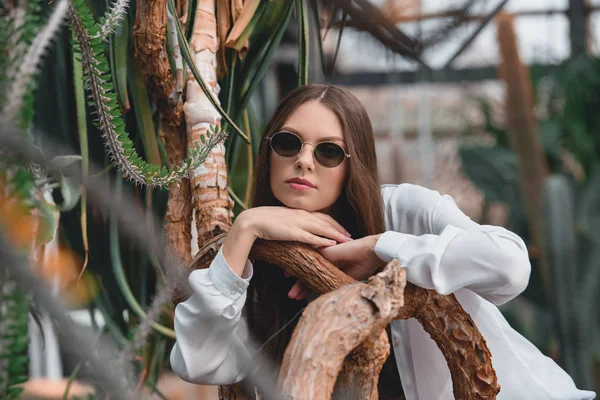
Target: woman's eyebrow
325, 139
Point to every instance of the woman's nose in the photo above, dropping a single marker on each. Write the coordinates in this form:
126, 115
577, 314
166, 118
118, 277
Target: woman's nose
305, 158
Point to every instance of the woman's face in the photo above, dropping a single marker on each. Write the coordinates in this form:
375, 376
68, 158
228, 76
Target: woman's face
313, 122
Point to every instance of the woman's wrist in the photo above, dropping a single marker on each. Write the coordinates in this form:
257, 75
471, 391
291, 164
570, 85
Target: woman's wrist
245, 225
238, 243
377, 260
374, 240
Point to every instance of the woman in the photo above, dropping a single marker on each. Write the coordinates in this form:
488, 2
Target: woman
317, 182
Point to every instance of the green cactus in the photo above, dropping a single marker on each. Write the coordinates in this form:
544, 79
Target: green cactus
21, 27
562, 250
14, 306
89, 47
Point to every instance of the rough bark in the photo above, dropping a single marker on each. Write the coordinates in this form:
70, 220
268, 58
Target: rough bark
331, 328
232, 392
149, 35
213, 208
461, 343
441, 316
178, 217
359, 375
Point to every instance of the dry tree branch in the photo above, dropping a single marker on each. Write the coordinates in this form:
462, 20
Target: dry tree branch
332, 327
441, 316
149, 35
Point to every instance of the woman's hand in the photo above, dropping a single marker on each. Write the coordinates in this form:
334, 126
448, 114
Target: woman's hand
278, 223
356, 258
282, 223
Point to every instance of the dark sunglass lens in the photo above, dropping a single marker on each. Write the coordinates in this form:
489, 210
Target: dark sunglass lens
329, 154
285, 144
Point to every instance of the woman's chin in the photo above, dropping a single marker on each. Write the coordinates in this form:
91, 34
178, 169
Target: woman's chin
299, 203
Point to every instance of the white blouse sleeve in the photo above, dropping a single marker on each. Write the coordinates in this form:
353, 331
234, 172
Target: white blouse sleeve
210, 347
444, 250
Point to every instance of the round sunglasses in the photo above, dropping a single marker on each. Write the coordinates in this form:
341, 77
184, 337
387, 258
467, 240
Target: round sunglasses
288, 144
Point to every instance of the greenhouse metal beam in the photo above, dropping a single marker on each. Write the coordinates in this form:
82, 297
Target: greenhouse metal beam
577, 27
577, 13
449, 75
369, 17
399, 19
475, 33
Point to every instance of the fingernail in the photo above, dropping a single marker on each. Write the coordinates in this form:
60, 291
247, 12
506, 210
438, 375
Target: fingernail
332, 242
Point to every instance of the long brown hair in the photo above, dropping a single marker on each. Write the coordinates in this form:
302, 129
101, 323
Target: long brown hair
359, 209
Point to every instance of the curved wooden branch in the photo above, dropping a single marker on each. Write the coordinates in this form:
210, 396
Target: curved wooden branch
333, 326
457, 336
303, 262
360, 373
442, 317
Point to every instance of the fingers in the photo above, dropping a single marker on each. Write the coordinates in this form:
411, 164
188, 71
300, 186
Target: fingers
303, 294
299, 291
357, 272
314, 240
317, 227
295, 290
328, 219
339, 253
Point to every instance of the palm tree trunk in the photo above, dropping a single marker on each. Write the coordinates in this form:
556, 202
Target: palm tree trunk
213, 208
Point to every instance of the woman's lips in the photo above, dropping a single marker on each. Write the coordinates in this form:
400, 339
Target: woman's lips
299, 186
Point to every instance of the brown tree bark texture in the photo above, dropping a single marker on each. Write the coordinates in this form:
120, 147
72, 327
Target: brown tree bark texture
213, 208
149, 31
178, 217
360, 372
441, 316
232, 392
457, 336
331, 328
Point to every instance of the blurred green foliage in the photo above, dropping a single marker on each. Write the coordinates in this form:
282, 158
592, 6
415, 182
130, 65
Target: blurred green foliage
568, 124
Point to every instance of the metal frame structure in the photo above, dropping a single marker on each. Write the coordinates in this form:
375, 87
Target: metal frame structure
577, 14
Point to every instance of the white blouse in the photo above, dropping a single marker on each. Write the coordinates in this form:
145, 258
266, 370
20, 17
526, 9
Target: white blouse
442, 249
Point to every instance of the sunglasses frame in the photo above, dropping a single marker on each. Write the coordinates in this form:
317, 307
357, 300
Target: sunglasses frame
346, 155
